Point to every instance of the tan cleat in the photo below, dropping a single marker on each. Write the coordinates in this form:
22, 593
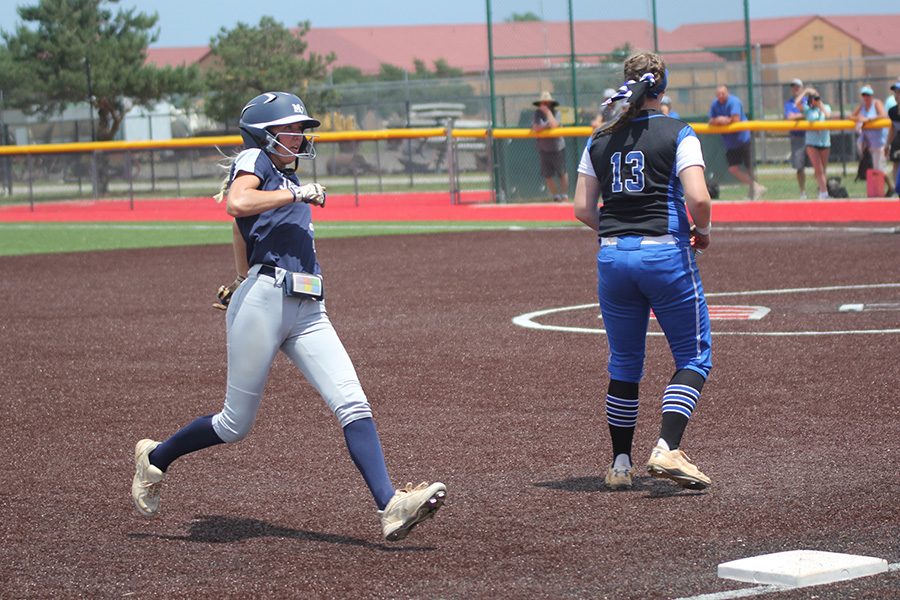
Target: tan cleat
145, 486
619, 478
409, 507
675, 465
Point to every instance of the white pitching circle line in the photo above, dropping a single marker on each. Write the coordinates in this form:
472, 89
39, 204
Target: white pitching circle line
528, 321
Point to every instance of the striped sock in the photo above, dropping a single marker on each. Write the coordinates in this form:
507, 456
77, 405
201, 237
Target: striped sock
621, 416
621, 412
679, 402
681, 399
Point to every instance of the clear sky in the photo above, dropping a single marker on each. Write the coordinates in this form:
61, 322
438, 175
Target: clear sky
192, 23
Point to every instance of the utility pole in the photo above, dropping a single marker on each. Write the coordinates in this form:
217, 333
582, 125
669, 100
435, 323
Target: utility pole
749, 61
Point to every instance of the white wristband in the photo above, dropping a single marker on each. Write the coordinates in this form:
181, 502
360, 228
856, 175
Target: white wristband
703, 230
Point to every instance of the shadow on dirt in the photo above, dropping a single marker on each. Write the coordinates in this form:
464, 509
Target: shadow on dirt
217, 529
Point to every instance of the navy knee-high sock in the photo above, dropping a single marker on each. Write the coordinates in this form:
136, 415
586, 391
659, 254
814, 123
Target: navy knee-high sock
365, 450
196, 435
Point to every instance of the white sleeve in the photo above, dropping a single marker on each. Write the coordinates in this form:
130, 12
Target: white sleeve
246, 161
688, 154
585, 165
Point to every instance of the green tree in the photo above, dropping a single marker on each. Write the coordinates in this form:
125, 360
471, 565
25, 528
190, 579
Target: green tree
387, 92
248, 61
347, 74
592, 81
47, 62
619, 54
388, 72
524, 17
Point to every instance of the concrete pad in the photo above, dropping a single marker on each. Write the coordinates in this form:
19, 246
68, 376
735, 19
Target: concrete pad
798, 568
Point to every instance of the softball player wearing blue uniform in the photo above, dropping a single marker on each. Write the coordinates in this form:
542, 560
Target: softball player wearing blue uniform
280, 307
645, 165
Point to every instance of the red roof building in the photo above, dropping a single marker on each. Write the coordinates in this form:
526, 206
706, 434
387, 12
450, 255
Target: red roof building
465, 46
811, 47
176, 56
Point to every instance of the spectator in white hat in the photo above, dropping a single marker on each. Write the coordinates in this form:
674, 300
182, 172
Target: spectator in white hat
870, 140
794, 112
610, 112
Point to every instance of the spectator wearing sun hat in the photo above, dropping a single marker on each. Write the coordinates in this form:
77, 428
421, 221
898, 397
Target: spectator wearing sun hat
552, 150
873, 141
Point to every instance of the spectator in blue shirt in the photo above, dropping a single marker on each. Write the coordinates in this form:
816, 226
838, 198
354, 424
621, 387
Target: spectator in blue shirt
724, 110
794, 112
665, 106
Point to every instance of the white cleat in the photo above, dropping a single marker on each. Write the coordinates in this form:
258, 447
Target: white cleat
409, 507
147, 482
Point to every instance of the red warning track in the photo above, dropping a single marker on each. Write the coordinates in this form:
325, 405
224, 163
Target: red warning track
436, 206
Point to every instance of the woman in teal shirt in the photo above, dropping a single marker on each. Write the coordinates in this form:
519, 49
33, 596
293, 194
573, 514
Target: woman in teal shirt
818, 141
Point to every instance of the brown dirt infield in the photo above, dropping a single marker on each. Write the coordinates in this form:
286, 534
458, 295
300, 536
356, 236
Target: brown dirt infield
797, 432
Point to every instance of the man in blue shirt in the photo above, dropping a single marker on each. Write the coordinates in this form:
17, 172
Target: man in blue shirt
798, 138
724, 110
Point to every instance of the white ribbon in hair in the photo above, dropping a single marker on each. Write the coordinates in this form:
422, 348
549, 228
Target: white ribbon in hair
624, 92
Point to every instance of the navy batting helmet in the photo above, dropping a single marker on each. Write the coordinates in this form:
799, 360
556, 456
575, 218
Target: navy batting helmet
271, 109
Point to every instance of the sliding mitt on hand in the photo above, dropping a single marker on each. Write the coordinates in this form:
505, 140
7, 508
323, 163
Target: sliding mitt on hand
224, 293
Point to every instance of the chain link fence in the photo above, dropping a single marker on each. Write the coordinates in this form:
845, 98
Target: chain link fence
530, 57
358, 167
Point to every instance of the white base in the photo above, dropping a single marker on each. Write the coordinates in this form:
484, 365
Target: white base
798, 568
852, 308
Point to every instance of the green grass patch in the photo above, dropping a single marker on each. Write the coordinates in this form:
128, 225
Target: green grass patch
781, 184
18, 239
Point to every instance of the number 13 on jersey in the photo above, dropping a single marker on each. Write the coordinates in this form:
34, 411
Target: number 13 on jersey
634, 177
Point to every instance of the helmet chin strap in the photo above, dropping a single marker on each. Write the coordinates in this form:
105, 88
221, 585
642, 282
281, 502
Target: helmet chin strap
292, 169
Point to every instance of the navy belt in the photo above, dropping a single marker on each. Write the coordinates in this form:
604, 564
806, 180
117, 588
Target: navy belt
267, 270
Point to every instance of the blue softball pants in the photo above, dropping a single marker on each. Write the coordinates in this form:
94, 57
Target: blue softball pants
635, 276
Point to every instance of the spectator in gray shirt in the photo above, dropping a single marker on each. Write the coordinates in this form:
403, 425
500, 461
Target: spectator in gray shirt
552, 150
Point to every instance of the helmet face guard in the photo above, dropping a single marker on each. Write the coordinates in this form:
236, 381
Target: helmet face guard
279, 145
272, 109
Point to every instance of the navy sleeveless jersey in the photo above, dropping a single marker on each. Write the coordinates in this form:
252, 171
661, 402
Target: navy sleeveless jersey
281, 237
637, 167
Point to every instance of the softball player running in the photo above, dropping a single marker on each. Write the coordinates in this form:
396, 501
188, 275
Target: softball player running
279, 306
645, 165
